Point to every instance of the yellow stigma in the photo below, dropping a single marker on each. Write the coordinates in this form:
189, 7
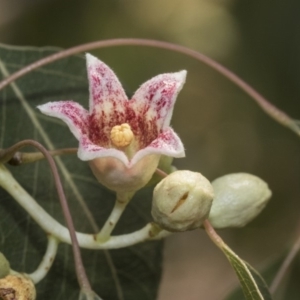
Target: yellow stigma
121, 135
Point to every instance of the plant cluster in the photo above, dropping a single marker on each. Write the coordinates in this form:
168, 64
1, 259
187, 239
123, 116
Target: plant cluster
128, 145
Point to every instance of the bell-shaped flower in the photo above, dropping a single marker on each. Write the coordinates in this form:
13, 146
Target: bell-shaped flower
123, 139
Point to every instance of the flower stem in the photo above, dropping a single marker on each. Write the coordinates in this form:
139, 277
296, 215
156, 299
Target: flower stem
47, 261
51, 226
120, 205
213, 235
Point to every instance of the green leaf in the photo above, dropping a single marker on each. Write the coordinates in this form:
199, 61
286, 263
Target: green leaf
268, 274
252, 284
130, 273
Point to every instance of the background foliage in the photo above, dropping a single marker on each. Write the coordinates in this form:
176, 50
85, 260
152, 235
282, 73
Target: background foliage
135, 271
223, 130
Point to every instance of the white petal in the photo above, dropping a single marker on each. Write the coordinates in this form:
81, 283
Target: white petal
155, 99
72, 113
89, 151
106, 91
167, 143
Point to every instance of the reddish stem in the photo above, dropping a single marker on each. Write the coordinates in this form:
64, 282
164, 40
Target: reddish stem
6, 155
213, 234
161, 173
269, 108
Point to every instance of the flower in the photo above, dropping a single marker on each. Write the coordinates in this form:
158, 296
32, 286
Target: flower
122, 139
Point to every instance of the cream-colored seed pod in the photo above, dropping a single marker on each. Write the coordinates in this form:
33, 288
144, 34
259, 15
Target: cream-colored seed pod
4, 266
17, 287
182, 201
239, 198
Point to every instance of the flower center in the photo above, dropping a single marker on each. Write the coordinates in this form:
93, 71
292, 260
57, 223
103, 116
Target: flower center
121, 135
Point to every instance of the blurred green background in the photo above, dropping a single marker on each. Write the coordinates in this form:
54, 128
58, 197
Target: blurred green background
223, 130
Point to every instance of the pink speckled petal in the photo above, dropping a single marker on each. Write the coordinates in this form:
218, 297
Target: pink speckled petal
106, 92
167, 143
155, 99
89, 151
72, 113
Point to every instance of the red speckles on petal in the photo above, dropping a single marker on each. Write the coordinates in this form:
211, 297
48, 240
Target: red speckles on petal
155, 98
95, 79
107, 101
97, 132
164, 137
145, 131
72, 113
151, 107
148, 114
101, 122
168, 143
86, 144
104, 84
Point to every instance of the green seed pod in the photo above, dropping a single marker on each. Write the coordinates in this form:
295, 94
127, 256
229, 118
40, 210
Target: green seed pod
4, 266
239, 198
182, 201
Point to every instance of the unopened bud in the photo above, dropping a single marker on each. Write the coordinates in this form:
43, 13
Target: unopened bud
4, 266
182, 201
239, 198
17, 287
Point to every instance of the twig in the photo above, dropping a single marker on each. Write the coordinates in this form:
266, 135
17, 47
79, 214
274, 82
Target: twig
269, 108
6, 155
21, 158
285, 266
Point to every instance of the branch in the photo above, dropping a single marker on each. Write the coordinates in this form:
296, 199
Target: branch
51, 226
266, 106
20, 158
7, 154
